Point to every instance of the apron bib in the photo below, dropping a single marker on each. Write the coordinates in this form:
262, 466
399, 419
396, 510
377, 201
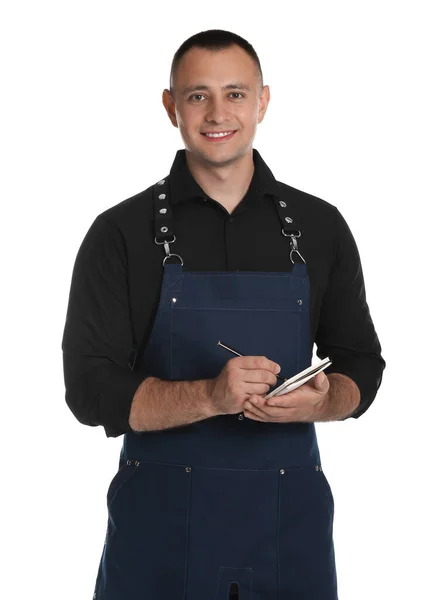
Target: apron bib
226, 507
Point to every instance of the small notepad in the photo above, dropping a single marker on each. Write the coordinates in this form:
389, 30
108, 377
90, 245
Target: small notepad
294, 382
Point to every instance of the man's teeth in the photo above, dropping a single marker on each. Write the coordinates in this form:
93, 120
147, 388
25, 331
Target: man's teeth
219, 134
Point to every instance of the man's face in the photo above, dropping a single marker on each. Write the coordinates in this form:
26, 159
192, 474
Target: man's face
217, 92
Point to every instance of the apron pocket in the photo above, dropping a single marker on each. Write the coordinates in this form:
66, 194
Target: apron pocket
195, 333
306, 551
145, 551
328, 489
124, 473
233, 534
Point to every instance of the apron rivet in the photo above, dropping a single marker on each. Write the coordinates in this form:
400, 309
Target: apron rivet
300, 302
240, 416
282, 471
161, 182
174, 299
129, 462
188, 469
136, 463
316, 468
162, 196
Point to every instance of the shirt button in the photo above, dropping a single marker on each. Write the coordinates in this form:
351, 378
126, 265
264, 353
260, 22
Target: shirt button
231, 220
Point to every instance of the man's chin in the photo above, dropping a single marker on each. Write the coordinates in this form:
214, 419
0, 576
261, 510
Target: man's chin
216, 158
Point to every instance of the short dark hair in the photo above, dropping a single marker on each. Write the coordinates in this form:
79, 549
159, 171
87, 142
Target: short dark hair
213, 39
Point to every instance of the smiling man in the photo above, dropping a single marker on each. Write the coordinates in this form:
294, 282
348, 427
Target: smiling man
220, 493
217, 99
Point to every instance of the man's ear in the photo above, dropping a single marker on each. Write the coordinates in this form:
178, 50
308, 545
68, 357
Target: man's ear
169, 104
263, 102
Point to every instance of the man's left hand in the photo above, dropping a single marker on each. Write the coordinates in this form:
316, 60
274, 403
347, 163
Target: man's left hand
307, 403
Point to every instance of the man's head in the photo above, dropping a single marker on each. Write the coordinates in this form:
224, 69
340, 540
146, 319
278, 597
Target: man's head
216, 85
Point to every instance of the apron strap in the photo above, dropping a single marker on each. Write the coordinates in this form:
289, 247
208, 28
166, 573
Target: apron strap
290, 228
163, 219
163, 222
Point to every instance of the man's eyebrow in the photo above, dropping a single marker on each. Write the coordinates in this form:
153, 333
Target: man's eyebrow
230, 86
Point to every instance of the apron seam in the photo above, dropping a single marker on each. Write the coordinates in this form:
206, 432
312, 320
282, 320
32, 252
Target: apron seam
298, 343
281, 275
171, 342
188, 536
173, 283
269, 310
278, 535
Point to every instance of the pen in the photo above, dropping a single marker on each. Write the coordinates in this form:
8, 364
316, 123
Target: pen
238, 354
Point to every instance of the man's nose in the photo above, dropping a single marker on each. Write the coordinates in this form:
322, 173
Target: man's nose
217, 112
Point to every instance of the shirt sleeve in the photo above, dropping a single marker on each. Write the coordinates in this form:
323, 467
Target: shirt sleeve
346, 331
97, 339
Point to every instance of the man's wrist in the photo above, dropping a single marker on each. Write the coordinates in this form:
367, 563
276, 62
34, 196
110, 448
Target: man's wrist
342, 398
161, 404
203, 389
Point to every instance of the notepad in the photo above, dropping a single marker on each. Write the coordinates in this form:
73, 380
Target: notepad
300, 378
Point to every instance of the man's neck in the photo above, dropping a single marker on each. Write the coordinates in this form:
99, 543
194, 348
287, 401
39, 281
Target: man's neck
227, 185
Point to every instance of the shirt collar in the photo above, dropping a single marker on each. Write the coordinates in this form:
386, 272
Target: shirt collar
184, 187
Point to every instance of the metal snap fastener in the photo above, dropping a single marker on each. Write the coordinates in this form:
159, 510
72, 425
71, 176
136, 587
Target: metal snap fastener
129, 462
161, 182
300, 302
163, 211
282, 471
162, 196
136, 463
283, 204
174, 300
95, 595
188, 469
164, 229
289, 220
240, 416
316, 468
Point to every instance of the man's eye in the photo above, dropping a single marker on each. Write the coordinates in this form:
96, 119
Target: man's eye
237, 93
196, 96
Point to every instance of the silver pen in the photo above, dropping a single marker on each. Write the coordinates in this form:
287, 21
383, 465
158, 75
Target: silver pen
238, 354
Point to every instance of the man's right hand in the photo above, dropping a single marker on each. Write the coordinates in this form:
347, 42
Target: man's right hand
241, 377
160, 404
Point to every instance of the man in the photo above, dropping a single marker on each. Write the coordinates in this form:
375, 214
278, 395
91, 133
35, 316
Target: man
220, 492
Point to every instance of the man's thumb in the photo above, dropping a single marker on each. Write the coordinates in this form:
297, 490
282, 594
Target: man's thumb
322, 383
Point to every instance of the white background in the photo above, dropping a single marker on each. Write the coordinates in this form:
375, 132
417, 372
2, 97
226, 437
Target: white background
351, 120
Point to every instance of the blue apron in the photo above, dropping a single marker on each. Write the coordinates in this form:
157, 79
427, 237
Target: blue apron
226, 507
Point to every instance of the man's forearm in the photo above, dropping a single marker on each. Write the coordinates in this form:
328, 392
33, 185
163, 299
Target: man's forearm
159, 404
342, 399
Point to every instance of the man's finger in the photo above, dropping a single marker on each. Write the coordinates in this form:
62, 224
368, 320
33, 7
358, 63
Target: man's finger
321, 383
264, 412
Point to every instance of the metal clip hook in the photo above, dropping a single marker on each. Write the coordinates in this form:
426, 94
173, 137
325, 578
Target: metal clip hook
294, 249
294, 245
168, 254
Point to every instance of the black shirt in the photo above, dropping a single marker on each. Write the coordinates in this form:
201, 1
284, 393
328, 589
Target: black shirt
117, 277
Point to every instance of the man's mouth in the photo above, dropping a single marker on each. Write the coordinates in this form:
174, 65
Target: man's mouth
218, 135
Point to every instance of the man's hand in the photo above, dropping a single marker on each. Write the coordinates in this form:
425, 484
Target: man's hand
239, 380
323, 398
305, 404
159, 404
